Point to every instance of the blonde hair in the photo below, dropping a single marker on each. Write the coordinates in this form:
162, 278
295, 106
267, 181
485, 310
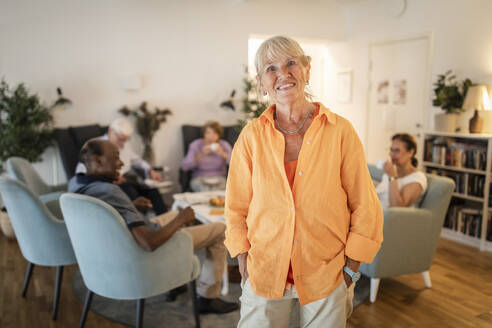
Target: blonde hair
277, 46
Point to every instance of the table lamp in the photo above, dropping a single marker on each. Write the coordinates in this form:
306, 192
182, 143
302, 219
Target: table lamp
477, 99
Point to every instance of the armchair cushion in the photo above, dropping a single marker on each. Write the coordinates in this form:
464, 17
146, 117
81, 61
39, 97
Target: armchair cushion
411, 234
42, 237
405, 230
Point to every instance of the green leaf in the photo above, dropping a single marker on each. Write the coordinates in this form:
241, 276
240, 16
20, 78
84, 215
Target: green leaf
25, 124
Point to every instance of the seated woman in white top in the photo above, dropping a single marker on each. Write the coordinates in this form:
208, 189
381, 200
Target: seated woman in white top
402, 185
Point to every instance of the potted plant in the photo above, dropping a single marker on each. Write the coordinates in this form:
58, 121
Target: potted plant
449, 95
147, 123
25, 129
252, 103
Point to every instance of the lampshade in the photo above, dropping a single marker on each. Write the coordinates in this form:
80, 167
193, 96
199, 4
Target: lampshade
477, 98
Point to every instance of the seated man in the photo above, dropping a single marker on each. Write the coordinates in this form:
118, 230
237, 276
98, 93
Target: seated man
119, 132
101, 158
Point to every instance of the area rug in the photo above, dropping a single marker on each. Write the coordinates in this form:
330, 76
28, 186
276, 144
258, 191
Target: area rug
178, 314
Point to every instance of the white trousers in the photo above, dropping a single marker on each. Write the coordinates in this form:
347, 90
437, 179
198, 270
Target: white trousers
329, 312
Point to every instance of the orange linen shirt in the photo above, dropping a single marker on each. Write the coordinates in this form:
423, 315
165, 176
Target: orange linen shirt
332, 211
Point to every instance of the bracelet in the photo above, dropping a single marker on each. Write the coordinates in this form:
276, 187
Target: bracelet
393, 178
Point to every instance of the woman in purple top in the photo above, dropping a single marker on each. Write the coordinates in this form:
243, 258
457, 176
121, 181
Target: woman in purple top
208, 158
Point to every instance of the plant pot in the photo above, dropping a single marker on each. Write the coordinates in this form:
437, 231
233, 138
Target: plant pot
6, 226
463, 121
445, 122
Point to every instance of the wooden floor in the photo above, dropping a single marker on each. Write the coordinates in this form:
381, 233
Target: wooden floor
461, 295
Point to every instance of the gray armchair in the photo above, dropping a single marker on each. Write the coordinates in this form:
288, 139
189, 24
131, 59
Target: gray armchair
21, 170
43, 238
410, 234
117, 267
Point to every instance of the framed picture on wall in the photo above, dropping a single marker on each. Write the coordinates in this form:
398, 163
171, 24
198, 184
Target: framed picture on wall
344, 85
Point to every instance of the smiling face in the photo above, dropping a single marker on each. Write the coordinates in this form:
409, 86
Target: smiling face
399, 154
284, 79
107, 164
111, 163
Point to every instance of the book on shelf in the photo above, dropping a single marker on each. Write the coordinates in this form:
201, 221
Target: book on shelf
450, 152
458, 178
490, 196
467, 221
489, 228
468, 184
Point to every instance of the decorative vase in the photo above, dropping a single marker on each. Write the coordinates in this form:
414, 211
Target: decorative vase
6, 226
445, 122
476, 123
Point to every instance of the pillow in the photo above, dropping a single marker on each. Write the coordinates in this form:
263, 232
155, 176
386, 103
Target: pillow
81, 134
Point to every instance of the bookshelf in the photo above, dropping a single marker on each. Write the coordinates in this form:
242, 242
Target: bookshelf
467, 159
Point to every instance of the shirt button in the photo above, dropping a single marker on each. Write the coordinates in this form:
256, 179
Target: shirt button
295, 242
292, 208
308, 142
300, 173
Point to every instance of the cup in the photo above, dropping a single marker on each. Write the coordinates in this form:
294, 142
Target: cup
380, 163
214, 147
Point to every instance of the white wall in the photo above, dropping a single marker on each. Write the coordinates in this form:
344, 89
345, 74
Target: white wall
190, 53
461, 31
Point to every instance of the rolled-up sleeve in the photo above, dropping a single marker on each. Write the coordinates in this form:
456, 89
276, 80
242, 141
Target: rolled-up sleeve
366, 222
238, 197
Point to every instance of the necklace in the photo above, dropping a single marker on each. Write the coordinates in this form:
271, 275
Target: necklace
288, 131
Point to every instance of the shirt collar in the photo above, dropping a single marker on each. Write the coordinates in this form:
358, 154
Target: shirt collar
84, 179
330, 116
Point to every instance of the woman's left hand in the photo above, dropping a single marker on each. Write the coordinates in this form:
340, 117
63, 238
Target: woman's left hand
219, 151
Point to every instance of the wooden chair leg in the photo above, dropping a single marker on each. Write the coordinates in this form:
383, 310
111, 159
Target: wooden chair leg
87, 306
27, 279
56, 299
427, 279
374, 289
196, 314
140, 312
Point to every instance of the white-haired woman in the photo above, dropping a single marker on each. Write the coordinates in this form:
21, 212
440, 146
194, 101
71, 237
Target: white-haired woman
301, 209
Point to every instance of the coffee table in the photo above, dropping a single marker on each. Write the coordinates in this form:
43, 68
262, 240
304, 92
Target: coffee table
199, 202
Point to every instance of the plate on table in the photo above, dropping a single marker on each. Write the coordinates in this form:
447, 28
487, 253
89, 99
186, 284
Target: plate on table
210, 180
158, 184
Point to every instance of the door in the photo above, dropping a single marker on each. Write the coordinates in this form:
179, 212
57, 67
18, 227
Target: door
399, 86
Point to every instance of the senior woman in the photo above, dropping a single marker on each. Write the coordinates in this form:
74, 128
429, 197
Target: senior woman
402, 184
301, 209
207, 158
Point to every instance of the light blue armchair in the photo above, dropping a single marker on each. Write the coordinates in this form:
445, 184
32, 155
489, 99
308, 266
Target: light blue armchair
20, 169
43, 238
410, 234
115, 266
